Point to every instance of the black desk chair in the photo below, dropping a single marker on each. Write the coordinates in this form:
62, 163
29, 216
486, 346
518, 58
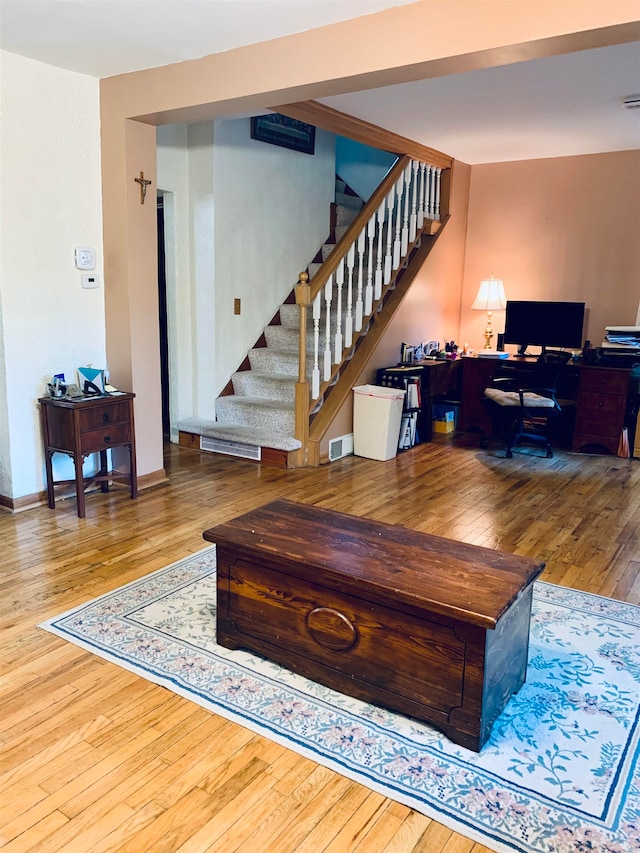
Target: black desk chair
524, 414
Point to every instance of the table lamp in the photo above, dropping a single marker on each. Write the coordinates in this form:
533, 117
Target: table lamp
490, 298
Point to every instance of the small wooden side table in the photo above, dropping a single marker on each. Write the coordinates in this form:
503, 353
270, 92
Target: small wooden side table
85, 426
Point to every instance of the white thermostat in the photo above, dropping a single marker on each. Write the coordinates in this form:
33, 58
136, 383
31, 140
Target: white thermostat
85, 258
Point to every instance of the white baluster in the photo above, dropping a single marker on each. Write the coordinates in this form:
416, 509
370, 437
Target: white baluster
432, 191
361, 245
405, 218
338, 336
398, 212
388, 259
377, 290
368, 296
315, 373
436, 211
421, 197
413, 219
348, 324
328, 295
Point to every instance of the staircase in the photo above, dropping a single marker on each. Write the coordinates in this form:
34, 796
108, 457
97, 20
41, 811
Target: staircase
256, 411
303, 368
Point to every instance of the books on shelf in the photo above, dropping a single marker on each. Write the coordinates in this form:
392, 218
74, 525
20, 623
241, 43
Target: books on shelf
413, 393
408, 431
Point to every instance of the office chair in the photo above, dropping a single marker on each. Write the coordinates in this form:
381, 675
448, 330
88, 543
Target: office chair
524, 414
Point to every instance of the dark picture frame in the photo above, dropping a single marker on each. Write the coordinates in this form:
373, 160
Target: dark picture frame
287, 132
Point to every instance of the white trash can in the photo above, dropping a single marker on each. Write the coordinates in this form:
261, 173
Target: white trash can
377, 413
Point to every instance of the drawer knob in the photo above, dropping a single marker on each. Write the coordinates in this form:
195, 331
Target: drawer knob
331, 629
105, 417
107, 439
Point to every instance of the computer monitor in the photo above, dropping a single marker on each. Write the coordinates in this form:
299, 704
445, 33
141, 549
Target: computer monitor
544, 324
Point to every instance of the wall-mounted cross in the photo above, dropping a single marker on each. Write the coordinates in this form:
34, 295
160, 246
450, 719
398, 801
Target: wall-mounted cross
143, 186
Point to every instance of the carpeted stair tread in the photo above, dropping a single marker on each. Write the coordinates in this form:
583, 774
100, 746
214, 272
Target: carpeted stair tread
351, 201
262, 412
263, 402
253, 383
251, 436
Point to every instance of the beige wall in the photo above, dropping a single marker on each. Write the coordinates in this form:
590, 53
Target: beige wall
557, 229
429, 38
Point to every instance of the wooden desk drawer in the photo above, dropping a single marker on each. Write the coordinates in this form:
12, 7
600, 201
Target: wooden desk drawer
99, 416
604, 381
600, 414
101, 439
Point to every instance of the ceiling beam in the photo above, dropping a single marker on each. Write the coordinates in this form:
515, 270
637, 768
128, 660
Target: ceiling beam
319, 115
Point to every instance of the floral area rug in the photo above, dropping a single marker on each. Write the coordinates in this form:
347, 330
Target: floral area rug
559, 773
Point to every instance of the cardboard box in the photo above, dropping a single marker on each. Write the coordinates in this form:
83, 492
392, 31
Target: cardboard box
445, 426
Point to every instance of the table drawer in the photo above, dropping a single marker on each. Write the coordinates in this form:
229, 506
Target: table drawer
604, 381
583, 439
416, 658
99, 416
101, 439
600, 414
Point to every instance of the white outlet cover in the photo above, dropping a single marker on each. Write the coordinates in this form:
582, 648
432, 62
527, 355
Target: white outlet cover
85, 257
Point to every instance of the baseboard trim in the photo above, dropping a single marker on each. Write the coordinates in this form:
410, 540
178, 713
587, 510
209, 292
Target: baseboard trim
13, 505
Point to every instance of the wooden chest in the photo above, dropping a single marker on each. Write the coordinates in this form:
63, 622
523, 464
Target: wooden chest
435, 629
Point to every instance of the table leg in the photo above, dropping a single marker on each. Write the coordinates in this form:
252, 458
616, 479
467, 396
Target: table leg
77, 461
104, 470
51, 498
133, 471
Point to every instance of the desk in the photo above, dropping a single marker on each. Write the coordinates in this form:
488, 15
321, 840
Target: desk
80, 428
426, 626
600, 395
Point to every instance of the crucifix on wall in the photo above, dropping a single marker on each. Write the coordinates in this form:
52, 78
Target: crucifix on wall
144, 183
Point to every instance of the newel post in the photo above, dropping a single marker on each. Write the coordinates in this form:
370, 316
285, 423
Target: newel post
303, 299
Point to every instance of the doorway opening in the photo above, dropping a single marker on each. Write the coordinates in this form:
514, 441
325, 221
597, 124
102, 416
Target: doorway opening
163, 322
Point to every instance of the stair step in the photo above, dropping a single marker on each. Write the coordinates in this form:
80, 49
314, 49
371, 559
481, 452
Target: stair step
346, 214
290, 316
273, 415
270, 360
353, 202
326, 250
274, 386
244, 435
286, 338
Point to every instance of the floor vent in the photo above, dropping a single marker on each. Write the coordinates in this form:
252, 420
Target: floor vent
339, 447
231, 448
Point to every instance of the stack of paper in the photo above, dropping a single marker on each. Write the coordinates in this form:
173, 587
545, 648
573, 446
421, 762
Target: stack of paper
492, 353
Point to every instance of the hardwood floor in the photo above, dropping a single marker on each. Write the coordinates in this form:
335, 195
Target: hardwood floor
96, 759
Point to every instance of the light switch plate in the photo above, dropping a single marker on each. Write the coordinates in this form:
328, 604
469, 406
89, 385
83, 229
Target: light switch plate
90, 281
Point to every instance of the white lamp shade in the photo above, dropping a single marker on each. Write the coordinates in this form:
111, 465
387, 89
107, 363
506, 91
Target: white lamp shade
490, 296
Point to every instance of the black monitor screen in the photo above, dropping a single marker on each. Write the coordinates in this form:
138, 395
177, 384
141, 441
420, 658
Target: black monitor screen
544, 324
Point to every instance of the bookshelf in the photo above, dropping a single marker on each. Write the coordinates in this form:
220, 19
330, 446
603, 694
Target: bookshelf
423, 382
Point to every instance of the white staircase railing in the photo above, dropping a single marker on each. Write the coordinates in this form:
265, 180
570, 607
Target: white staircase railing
370, 253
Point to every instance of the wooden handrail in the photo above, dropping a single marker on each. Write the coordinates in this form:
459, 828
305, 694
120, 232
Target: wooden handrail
329, 266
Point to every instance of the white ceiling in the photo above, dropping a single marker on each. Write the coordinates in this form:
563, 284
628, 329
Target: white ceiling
560, 106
